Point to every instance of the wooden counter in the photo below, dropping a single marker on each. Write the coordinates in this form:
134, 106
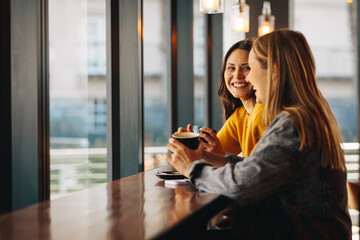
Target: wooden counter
135, 207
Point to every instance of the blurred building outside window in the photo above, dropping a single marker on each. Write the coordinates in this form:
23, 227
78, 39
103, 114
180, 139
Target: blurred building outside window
333, 43
199, 64
155, 82
77, 61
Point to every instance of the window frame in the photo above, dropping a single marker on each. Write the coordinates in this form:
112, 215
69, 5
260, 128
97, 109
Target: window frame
24, 121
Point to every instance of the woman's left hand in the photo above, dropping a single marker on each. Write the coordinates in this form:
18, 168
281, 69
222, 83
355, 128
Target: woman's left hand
213, 143
182, 156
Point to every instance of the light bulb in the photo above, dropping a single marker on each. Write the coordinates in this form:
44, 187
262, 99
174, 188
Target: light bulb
239, 23
240, 17
266, 20
211, 6
265, 28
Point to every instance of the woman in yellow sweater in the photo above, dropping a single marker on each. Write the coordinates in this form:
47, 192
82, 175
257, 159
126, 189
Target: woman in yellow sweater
243, 127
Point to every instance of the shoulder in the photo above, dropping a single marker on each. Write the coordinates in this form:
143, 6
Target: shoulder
282, 127
240, 110
280, 135
256, 117
259, 107
258, 110
239, 113
282, 120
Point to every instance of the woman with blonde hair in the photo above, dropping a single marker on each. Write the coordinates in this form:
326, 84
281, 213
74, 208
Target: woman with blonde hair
293, 185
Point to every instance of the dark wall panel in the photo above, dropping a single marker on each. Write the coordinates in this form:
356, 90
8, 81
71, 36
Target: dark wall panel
180, 58
214, 56
124, 88
279, 8
131, 127
24, 101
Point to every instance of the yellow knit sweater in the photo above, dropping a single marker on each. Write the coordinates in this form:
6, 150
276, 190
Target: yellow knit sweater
241, 131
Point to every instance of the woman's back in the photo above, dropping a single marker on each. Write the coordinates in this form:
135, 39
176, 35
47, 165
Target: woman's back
307, 201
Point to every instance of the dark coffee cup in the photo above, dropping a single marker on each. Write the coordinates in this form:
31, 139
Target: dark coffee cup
189, 139
197, 129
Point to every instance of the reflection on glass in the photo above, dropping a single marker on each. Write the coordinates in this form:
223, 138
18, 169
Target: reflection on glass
332, 41
199, 64
155, 83
77, 60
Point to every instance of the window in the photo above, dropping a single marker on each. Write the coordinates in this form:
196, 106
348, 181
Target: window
199, 64
155, 83
329, 27
77, 64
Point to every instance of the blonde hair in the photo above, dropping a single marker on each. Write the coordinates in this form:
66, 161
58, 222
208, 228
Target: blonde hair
292, 88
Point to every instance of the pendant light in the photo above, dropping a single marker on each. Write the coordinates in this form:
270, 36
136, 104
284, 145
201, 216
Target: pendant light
266, 20
240, 14
211, 6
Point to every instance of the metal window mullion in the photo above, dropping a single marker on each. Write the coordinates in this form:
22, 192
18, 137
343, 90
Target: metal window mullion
213, 61
124, 88
44, 105
27, 110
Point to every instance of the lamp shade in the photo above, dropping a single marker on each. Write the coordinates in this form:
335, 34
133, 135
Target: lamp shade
266, 20
211, 6
240, 14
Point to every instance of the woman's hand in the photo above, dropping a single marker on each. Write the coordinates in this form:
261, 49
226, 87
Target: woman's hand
182, 156
188, 129
213, 143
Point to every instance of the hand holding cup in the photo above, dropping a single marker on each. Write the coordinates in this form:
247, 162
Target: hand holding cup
189, 139
185, 148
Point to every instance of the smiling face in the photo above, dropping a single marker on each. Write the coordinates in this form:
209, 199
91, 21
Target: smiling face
257, 77
236, 70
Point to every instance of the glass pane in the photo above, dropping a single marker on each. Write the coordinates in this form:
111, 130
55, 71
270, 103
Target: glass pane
332, 38
77, 59
155, 82
199, 64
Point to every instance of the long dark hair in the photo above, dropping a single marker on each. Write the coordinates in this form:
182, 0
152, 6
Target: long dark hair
228, 101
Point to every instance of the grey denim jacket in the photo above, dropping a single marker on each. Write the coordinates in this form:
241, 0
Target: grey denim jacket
280, 191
